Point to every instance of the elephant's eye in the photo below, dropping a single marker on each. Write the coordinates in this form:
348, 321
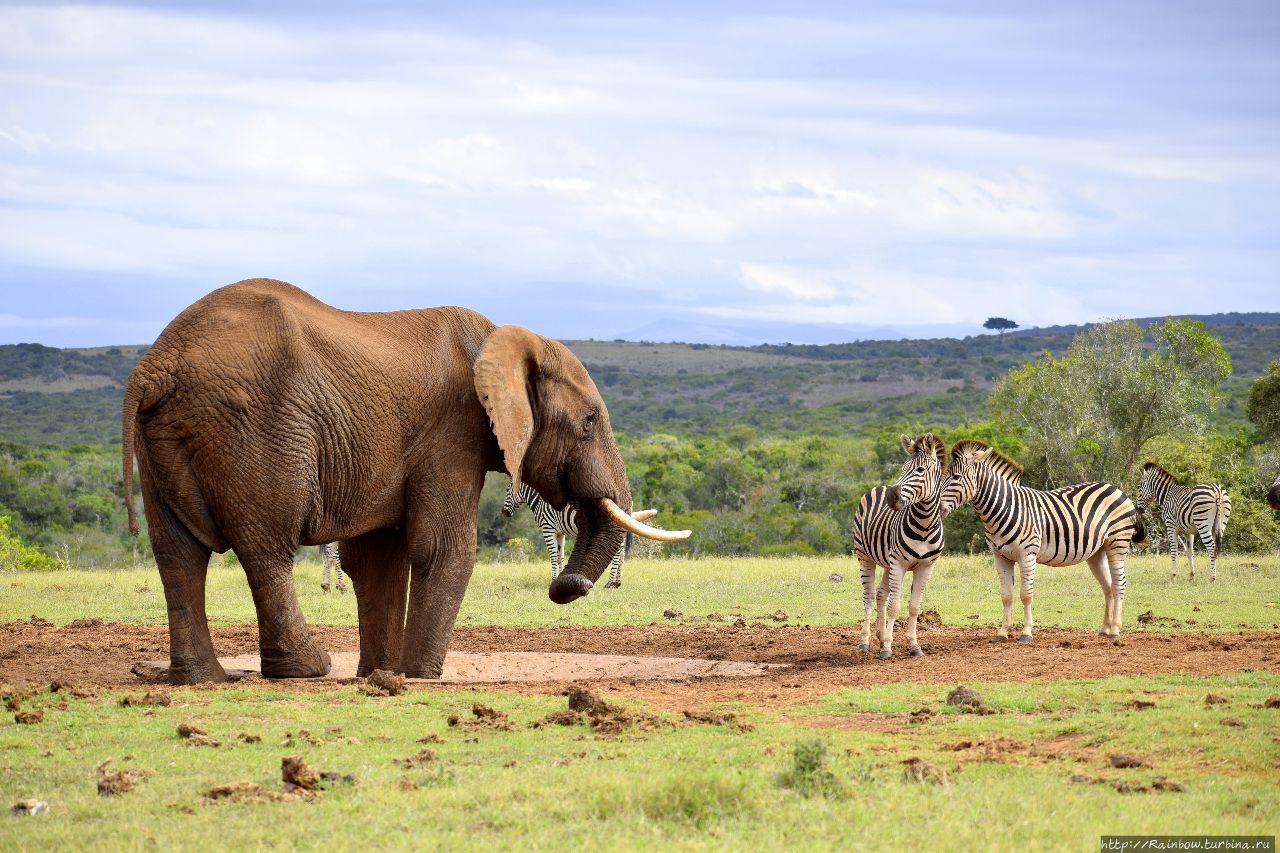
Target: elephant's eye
589, 423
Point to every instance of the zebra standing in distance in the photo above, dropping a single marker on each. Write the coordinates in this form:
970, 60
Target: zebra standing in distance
1200, 510
555, 524
329, 557
1088, 522
899, 527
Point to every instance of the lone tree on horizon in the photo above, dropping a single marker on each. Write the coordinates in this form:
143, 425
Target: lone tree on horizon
1000, 324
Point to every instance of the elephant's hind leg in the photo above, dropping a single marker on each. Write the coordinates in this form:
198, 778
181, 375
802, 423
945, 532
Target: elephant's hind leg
183, 564
284, 641
378, 565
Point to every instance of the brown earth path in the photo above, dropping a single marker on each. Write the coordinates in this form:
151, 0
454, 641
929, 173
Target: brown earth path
822, 659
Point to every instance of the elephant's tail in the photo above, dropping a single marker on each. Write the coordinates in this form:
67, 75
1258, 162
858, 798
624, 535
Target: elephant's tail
132, 398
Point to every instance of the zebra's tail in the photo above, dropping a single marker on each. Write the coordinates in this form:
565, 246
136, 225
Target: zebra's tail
1219, 521
1139, 529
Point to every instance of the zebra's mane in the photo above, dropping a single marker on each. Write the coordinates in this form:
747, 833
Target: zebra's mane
1152, 466
937, 445
995, 460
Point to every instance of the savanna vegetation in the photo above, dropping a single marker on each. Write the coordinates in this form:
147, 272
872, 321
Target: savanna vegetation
764, 450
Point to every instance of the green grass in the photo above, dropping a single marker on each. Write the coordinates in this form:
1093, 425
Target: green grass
687, 786
682, 786
515, 594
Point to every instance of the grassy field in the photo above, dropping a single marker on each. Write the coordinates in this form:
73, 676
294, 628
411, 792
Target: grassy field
824, 775
964, 590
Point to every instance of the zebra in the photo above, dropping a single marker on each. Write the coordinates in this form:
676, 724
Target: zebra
1088, 522
1273, 494
329, 557
1193, 510
899, 528
555, 524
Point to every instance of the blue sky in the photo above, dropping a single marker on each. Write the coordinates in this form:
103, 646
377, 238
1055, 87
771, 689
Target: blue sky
725, 172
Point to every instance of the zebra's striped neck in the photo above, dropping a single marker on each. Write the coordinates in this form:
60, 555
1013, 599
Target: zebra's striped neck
990, 493
529, 497
1161, 483
924, 513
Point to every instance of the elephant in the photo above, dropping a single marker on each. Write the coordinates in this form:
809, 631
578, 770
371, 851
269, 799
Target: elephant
263, 419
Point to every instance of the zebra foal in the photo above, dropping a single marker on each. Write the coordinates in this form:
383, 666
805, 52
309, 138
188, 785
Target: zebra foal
1200, 510
555, 524
899, 528
1089, 522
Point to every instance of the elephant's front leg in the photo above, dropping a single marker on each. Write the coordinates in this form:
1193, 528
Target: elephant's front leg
284, 641
378, 565
442, 551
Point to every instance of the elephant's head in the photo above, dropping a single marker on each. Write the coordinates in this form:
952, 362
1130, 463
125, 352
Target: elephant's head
553, 429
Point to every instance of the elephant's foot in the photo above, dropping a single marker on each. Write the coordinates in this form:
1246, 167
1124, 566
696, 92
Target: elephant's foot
191, 671
427, 671
311, 661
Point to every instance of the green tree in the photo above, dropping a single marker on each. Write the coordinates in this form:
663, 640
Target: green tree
1087, 415
1263, 407
1000, 324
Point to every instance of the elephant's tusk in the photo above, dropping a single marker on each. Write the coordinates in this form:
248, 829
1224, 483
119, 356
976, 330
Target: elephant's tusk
644, 514
639, 528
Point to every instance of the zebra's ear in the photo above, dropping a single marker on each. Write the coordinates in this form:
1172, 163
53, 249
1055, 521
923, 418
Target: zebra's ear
503, 372
908, 445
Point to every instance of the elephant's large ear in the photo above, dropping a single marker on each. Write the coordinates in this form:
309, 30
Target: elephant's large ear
504, 371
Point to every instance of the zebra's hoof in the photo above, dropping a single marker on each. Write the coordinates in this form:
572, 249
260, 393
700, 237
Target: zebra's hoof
864, 647
1025, 638
884, 655
917, 652
999, 638
324, 587
612, 585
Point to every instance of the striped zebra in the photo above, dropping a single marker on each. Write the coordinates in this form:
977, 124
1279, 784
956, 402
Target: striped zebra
329, 557
1200, 510
1273, 494
899, 528
1089, 522
555, 524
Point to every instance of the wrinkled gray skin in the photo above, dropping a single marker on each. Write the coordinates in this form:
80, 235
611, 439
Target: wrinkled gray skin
263, 419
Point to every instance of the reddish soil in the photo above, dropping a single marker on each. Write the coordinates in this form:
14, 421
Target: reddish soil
822, 659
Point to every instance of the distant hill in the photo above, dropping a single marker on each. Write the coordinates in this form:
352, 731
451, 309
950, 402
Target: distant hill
51, 396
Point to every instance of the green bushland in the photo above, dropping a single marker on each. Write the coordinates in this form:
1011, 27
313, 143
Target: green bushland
514, 594
762, 451
691, 786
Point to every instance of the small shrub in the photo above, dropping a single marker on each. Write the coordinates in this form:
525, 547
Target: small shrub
809, 775
17, 556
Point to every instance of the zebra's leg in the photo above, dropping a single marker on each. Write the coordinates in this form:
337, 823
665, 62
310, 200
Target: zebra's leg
1206, 536
868, 601
1004, 568
324, 568
1172, 531
549, 542
894, 577
1190, 545
1027, 573
342, 580
919, 581
1115, 558
1100, 566
615, 569
560, 554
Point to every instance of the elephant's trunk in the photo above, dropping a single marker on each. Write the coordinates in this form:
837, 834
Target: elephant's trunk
597, 543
